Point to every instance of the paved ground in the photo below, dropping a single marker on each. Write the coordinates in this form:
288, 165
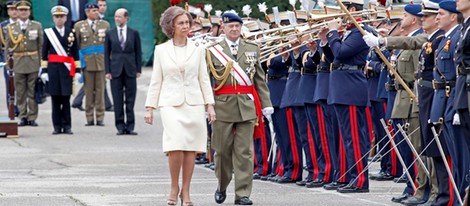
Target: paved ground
96, 167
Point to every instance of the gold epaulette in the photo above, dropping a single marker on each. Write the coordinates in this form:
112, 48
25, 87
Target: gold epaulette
15, 42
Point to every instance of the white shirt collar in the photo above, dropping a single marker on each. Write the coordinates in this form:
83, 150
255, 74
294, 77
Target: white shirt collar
230, 43
61, 31
124, 28
11, 21
432, 34
413, 32
450, 31
91, 21
101, 15
23, 22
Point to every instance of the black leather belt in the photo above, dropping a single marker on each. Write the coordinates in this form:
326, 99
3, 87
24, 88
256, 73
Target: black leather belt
390, 87
442, 85
277, 77
463, 70
425, 83
323, 69
400, 87
309, 71
347, 67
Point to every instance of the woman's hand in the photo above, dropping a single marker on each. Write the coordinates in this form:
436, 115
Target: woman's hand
210, 113
149, 116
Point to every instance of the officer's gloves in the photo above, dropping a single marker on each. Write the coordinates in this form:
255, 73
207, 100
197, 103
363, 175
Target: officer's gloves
79, 77
44, 77
456, 120
267, 112
371, 40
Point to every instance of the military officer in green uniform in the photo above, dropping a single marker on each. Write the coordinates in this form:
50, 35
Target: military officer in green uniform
24, 39
240, 94
90, 34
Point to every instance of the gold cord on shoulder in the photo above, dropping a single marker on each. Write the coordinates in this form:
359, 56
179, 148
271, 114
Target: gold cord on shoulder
223, 78
13, 40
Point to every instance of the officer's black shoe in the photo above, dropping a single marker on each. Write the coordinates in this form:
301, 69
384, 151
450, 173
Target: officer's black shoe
400, 198
110, 109
374, 176
352, 189
303, 182
78, 107
428, 203
121, 132
256, 176
384, 177
23, 122
212, 167
220, 197
99, 123
131, 133
333, 185
68, 131
208, 165
90, 123
56, 131
401, 179
243, 201
32, 123
412, 201
274, 178
284, 179
315, 183
201, 161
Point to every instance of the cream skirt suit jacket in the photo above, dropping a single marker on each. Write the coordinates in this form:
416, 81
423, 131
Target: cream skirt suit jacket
180, 88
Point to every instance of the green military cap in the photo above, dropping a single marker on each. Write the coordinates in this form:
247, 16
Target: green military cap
23, 5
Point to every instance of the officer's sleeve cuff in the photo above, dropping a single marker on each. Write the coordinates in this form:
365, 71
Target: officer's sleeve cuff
43, 64
77, 64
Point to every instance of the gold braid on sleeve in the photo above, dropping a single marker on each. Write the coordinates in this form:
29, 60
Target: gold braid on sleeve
224, 76
2, 39
17, 41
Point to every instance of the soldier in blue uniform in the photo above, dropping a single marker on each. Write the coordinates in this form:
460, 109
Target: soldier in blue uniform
13, 16
462, 87
297, 118
310, 59
59, 66
442, 110
277, 78
348, 94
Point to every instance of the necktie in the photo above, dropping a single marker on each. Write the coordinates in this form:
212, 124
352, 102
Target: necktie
121, 39
93, 26
234, 50
74, 6
23, 27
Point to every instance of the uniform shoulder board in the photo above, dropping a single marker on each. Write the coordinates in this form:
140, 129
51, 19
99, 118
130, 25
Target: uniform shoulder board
35, 22
212, 44
251, 42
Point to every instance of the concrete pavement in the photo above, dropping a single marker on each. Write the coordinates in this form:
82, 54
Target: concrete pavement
96, 167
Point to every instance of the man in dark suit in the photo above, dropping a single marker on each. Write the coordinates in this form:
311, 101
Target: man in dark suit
77, 10
123, 64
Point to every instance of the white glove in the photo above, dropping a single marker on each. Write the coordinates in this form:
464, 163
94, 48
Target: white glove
456, 120
267, 112
371, 40
44, 77
77, 77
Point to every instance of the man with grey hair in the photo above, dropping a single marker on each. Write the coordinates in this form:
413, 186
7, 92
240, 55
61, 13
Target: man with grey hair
123, 45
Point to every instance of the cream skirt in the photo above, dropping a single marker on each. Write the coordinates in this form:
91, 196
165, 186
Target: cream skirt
184, 128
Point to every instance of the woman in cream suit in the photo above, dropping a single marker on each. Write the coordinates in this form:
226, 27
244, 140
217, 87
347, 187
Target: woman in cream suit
181, 89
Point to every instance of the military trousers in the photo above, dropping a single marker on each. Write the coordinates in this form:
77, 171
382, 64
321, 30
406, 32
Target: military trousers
94, 93
233, 145
24, 87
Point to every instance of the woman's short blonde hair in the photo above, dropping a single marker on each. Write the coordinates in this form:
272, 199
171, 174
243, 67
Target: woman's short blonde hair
167, 18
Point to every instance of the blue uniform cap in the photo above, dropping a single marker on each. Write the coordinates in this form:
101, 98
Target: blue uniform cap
11, 4
449, 5
231, 17
414, 9
91, 6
